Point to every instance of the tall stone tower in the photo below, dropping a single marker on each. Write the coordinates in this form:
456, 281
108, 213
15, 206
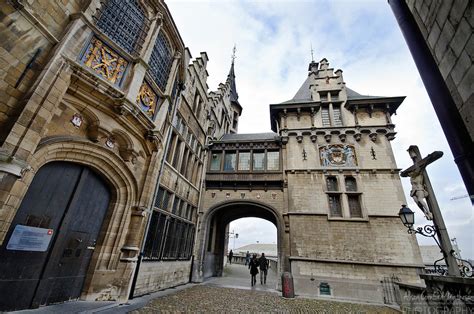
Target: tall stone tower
343, 189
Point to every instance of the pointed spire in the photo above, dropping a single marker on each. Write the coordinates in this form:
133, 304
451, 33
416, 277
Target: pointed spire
234, 97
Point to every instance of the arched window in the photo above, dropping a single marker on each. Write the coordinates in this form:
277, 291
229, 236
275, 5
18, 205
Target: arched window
124, 22
160, 61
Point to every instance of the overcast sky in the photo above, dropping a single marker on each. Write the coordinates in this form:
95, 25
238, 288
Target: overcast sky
362, 38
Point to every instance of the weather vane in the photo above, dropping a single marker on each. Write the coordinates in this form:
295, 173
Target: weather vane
312, 57
233, 53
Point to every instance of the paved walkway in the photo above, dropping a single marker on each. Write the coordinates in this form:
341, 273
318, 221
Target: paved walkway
238, 276
230, 293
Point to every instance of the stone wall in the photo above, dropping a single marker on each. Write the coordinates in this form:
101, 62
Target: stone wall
447, 27
160, 275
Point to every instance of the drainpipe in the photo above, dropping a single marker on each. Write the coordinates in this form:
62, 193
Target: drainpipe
452, 124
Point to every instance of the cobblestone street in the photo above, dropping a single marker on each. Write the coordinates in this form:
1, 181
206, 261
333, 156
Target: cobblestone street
211, 299
232, 294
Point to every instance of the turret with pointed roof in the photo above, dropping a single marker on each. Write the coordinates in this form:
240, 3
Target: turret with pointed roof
226, 108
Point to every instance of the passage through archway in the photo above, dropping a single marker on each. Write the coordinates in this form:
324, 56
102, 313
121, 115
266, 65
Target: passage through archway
216, 225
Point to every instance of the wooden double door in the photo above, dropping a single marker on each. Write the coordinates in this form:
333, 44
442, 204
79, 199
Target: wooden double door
46, 253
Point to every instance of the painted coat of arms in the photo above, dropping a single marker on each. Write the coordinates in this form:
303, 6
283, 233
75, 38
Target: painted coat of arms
337, 156
147, 99
104, 61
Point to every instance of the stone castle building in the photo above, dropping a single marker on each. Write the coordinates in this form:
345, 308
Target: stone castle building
120, 171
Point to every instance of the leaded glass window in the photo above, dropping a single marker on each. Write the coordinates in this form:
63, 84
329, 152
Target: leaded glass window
160, 61
355, 209
331, 183
258, 161
124, 22
244, 160
335, 208
229, 161
216, 161
273, 160
351, 184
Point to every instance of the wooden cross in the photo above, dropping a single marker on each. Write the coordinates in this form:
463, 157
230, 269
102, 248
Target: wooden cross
421, 189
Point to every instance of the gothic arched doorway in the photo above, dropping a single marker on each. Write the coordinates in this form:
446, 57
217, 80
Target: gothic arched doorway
47, 250
218, 218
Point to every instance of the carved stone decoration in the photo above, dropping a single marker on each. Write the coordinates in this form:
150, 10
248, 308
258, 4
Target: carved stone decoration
373, 137
147, 100
77, 120
299, 138
338, 156
342, 137
357, 136
104, 61
327, 137
110, 142
313, 138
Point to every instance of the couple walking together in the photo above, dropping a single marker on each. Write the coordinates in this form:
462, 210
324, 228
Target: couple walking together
254, 265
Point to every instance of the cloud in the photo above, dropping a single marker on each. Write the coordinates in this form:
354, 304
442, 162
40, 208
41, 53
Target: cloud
362, 38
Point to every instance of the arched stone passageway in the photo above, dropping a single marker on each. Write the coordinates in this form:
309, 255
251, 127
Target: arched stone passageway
213, 238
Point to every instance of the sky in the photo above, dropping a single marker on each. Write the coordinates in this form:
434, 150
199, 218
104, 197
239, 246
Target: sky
274, 40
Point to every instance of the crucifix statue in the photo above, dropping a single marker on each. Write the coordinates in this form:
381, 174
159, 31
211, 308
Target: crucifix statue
424, 197
417, 173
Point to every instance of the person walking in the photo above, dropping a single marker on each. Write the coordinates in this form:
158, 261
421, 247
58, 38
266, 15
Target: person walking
253, 266
264, 265
231, 254
247, 258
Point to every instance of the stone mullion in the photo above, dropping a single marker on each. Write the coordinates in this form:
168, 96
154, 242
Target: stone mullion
140, 68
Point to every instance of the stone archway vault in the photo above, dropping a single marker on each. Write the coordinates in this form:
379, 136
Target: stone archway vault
211, 237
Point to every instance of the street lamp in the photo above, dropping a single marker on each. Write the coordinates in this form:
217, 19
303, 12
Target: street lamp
407, 216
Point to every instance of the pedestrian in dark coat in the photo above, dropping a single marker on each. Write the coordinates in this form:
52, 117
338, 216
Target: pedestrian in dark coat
247, 258
264, 265
253, 266
231, 254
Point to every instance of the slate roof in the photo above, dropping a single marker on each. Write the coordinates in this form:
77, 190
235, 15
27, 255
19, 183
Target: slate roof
269, 136
303, 95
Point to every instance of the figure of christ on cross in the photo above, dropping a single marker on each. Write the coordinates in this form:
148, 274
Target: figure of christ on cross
418, 189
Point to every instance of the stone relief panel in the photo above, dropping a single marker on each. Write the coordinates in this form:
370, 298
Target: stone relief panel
147, 100
104, 61
338, 155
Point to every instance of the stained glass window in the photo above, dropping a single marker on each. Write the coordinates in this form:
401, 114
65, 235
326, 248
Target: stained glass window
124, 22
160, 61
